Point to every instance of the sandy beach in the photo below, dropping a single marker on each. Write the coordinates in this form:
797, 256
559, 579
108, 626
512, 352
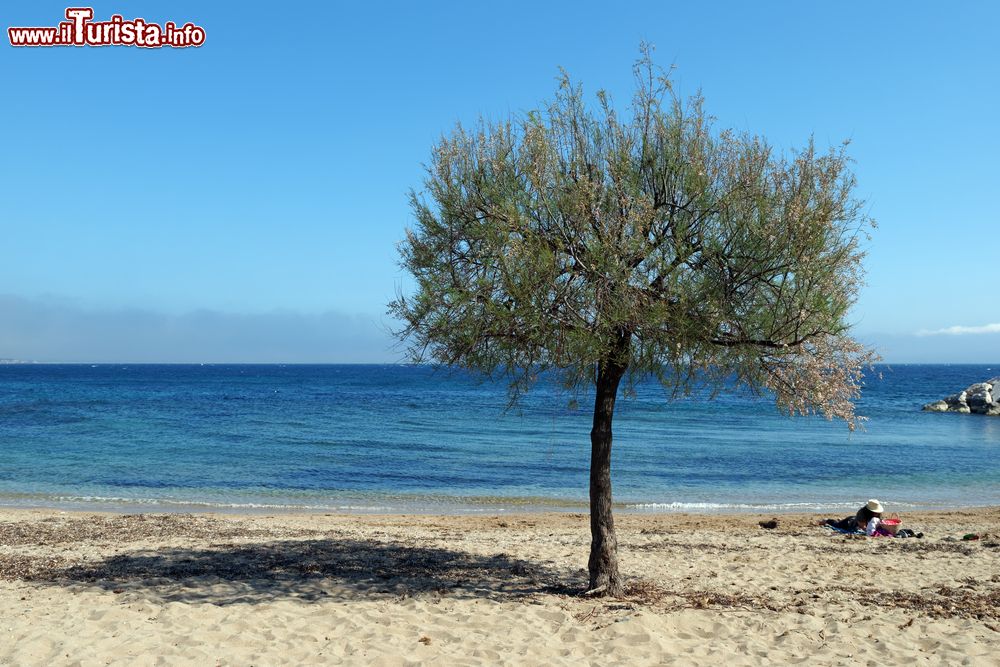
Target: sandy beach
98, 589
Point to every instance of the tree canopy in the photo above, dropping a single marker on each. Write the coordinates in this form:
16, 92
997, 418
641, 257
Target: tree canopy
649, 243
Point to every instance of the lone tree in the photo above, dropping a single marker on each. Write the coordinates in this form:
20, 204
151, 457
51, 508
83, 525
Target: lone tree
603, 248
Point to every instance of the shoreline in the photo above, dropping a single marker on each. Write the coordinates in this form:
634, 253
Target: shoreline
936, 519
110, 588
457, 506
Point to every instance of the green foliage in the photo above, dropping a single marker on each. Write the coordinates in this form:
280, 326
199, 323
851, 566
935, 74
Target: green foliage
570, 237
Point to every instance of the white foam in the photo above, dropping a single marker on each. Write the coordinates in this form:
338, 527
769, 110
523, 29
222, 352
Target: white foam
755, 507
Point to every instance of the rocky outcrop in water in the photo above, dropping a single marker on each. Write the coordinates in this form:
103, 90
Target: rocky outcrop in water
982, 398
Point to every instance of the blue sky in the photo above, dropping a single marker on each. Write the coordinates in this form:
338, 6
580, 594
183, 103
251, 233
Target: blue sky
242, 201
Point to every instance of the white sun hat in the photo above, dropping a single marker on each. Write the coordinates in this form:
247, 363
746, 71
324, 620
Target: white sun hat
874, 506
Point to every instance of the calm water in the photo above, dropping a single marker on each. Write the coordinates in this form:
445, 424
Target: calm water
408, 439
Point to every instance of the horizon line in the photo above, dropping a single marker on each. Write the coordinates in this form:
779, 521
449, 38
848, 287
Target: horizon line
21, 362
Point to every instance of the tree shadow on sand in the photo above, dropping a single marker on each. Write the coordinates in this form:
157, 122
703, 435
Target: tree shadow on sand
328, 569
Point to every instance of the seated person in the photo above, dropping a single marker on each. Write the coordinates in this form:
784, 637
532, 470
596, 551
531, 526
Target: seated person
863, 520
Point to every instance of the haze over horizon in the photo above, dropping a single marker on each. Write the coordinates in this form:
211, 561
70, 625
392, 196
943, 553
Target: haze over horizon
241, 202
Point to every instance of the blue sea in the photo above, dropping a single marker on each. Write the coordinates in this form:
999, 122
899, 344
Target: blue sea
392, 438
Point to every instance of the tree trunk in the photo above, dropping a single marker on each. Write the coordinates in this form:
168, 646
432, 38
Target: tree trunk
603, 565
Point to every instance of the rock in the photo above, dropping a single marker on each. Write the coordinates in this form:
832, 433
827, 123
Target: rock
981, 398
955, 399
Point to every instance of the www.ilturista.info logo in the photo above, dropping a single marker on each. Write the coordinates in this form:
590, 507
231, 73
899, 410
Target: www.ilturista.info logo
81, 30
